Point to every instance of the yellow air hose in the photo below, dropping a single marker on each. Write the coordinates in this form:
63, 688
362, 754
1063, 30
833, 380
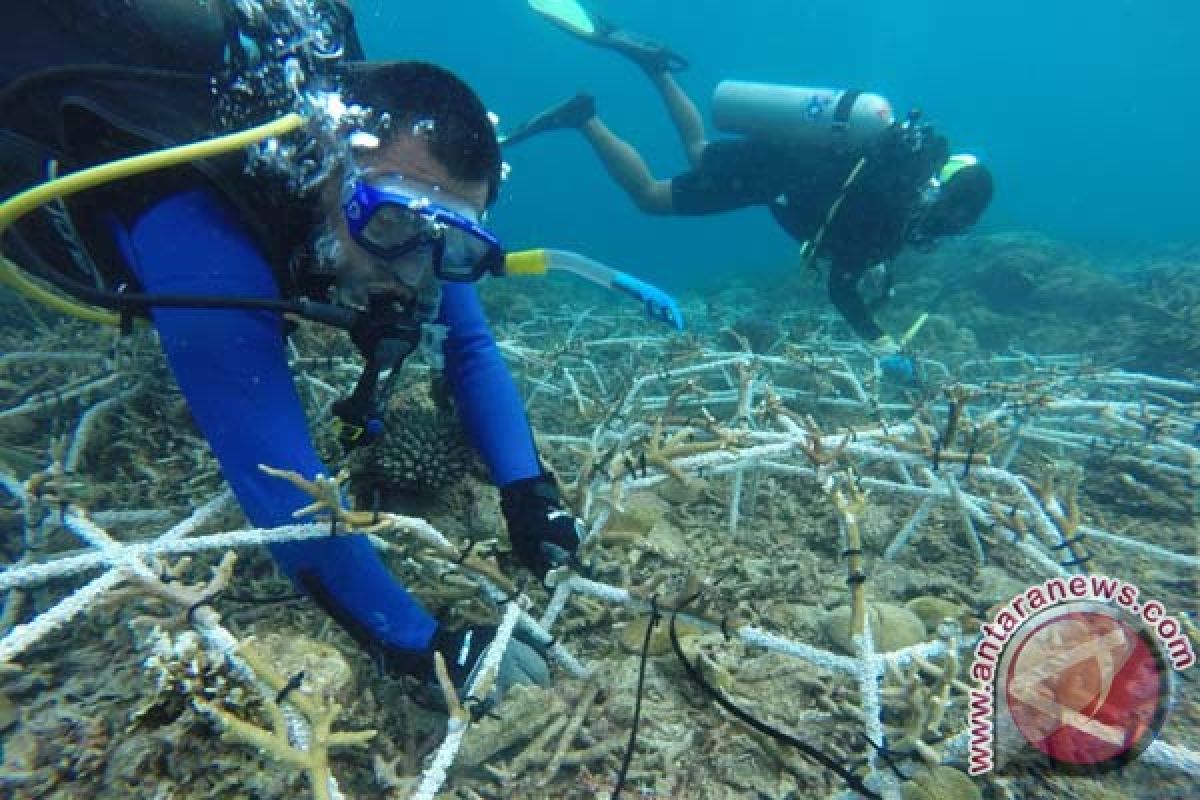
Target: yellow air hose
35, 197
914, 329
527, 262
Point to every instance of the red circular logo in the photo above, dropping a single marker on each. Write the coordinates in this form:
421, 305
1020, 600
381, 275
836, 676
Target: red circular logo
1087, 689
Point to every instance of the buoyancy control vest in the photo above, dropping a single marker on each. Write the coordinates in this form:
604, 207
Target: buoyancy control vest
874, 211
95, 81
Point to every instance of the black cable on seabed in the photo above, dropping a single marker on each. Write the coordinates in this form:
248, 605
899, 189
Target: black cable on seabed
655, 616
852, 780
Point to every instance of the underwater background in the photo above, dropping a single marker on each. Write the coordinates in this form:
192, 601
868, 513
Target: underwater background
1086, 111
760, 457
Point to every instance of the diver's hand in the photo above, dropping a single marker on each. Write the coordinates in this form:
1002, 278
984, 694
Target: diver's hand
463, 650
543, 534
659, 304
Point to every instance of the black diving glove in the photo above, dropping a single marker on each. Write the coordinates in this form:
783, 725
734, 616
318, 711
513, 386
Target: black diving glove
463, 650
543, 534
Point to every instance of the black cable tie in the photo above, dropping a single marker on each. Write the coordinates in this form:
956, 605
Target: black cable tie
886, 754
852, 551
289, 687
466, 552
189, 615
1065, 543
627, 758
474, 706
855, 782
937, 453
970, 454
856, 579
630, 467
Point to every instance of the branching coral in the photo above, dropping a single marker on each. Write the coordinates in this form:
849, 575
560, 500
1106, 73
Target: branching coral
625, 412
327, 502
310, 754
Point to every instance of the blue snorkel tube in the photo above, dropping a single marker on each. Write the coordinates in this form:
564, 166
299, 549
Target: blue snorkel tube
658, 304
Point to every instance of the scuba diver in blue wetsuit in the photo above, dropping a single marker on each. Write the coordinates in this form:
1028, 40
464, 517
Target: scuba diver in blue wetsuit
370, 218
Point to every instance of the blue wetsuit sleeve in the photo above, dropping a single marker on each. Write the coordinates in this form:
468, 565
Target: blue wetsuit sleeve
232, 368
488, 402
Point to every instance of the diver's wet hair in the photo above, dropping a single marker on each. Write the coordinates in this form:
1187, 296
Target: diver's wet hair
461, 135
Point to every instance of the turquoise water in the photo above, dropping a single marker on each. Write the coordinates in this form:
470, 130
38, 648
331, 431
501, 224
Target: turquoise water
1087, 111
1032, 359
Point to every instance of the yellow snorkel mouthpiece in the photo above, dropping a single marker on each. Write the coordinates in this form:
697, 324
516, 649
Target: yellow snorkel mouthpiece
527, 263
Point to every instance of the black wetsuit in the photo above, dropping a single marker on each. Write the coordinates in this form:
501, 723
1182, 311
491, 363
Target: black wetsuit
800, 184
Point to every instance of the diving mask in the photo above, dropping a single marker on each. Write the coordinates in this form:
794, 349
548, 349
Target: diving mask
391, 216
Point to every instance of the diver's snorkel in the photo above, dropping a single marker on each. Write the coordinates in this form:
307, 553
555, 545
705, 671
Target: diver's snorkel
383, 333
659, 305
387, 332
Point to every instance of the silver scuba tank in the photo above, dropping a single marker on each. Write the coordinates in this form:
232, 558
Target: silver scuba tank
844, 119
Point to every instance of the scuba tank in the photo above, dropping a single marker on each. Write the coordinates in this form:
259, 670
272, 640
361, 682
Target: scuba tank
844, 119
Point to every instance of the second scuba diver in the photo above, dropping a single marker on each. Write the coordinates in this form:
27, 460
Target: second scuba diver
833, 167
